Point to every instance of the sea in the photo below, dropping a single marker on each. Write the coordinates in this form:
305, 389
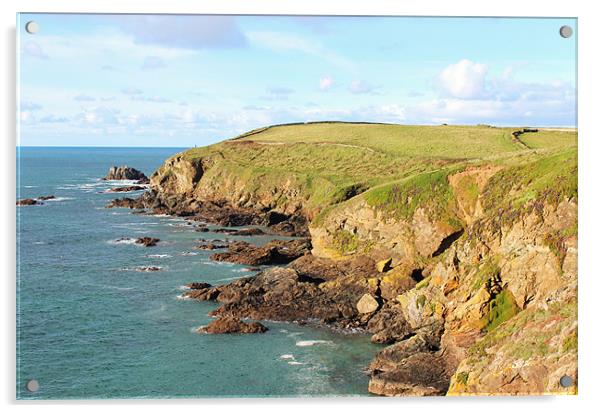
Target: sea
92, 324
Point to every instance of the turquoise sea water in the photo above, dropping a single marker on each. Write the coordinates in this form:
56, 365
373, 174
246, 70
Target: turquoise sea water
90, 326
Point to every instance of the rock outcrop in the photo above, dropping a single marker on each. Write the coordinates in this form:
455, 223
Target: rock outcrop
231, 325
272, 253
119, 173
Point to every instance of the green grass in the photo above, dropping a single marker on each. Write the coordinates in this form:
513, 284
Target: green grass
396, 167
502, 308
429, 190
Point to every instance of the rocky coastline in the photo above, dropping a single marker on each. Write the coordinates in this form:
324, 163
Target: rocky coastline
460, 286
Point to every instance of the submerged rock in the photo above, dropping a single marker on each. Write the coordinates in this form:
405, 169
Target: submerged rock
28, 201
230, 325
148, 241
130, 188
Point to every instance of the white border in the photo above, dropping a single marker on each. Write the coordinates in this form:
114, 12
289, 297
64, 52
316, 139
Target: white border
590, 144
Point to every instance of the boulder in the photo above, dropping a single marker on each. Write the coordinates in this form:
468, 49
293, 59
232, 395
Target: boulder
367, 304
229, 325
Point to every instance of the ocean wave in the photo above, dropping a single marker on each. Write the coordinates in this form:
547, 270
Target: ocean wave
309, 343
184, 288
186, 253
59, 199
29, 186
124, 240
143, 268
287, 357
196, 329
158, 256
295, 363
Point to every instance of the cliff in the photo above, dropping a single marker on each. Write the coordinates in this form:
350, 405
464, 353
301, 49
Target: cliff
460, 243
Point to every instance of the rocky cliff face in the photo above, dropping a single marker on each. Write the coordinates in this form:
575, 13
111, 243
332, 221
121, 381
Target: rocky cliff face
469, 272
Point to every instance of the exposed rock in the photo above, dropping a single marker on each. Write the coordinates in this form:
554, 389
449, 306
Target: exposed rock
229, 325
367, 304
46, 198
209, 246
123, 203
28, 201
147, 241
240, 232
119, 173
274, 252
130, 188
198, 286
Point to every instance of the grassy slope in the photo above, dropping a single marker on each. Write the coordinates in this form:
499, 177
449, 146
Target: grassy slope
332, 161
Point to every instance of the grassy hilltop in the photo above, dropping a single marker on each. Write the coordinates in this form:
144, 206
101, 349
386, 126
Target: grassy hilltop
332, 161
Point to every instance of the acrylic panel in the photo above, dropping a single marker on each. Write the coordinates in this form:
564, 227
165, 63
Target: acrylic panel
257, 206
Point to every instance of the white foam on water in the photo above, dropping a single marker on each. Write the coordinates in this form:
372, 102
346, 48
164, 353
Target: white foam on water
295, 334
309, 343
287, 357
196, 329
283, 331
59, 199
158, 256
119, 241
39, 242
182, 297
184, 288
185, 253
295, 363
29, 186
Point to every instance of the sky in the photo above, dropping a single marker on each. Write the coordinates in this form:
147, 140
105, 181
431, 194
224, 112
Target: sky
181, 81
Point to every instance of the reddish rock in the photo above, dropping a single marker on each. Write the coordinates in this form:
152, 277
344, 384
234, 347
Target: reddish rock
147, 241
229, 325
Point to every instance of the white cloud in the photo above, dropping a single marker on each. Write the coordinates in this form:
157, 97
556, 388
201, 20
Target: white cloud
326, 83
277, 93
131, 91
361, 87
154, 99
84, 98
29, 105
463, 80
182, 31
33, 49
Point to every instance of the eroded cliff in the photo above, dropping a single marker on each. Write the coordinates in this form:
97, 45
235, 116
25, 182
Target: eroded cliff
464, 262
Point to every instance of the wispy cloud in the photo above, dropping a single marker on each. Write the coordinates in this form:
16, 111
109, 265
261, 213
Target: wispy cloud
152, 63
286, 42
33, 49
277, 93
84, 98
131, 91
326, 83
185, 32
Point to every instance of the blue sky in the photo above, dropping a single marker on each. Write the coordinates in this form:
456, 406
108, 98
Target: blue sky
150, 80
